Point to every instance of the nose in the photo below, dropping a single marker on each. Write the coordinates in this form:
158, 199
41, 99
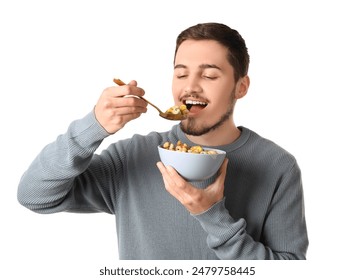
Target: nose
192, 85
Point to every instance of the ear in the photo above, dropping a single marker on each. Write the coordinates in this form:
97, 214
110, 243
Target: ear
242, 87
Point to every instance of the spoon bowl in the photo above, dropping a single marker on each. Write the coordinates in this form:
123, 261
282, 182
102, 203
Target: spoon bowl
165, 115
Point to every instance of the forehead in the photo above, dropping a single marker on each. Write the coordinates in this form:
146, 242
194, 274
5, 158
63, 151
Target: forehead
196, 52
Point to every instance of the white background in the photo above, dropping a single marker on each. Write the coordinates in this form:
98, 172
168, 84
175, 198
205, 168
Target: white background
56, 57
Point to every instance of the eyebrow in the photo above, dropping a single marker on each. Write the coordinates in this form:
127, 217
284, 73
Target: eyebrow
202, 66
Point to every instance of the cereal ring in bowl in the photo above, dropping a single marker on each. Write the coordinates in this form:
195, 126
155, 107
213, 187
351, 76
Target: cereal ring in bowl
194, 163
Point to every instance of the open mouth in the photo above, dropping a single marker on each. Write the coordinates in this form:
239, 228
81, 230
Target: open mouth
195, 106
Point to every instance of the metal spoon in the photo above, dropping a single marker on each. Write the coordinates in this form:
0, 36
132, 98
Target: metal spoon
165, 115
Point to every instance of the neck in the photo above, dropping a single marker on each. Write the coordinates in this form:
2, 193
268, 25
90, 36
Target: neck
223, 135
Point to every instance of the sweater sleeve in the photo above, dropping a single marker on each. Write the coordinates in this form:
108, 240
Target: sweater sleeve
61, 177
284, 233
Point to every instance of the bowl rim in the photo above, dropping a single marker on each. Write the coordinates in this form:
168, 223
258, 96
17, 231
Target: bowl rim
219, 152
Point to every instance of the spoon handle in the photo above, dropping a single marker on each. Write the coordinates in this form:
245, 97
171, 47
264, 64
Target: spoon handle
121, 83
141, 97
118, 82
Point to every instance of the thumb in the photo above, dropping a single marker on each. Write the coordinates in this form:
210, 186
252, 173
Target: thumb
133, 83
222, 171
218, 184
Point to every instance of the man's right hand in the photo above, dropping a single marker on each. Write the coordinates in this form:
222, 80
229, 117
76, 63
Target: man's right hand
113, 110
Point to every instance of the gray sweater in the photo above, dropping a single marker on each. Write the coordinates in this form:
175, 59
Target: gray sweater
261, 217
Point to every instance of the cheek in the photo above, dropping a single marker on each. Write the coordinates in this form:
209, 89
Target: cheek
176, 96
215, 108
223, 103
176, 92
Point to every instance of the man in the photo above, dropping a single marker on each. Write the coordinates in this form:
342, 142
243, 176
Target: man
253, 209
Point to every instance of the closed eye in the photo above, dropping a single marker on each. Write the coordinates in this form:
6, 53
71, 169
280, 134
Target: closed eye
210, 77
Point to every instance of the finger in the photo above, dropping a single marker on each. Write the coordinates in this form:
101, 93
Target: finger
122, 83
124, 119
161, 167
114, 102
175, 178
179, 185
176, 190
128, 101
166, 173
169, 184
122, 111
133, 83
172, 179
119, 91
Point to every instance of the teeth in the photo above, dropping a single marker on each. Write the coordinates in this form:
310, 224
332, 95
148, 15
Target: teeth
194, 102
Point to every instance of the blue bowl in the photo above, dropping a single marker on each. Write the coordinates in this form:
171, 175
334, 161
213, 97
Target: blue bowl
193, 167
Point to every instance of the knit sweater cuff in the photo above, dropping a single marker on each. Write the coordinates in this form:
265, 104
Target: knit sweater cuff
219, 224
87, 130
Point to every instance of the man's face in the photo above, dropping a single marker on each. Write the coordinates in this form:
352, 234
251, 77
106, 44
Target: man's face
204, 81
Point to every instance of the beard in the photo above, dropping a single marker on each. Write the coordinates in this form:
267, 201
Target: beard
190, 125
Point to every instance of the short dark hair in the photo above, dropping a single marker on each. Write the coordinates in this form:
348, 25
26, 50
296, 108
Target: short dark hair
238, 55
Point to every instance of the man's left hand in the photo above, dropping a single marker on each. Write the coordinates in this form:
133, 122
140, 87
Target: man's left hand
195, 200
